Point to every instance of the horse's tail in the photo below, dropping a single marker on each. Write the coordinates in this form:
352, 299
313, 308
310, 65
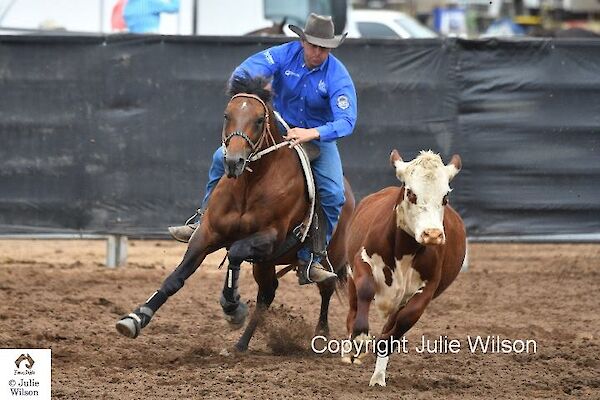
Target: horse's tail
285, 270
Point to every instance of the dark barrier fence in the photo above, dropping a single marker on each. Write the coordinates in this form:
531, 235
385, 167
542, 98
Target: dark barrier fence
115, 134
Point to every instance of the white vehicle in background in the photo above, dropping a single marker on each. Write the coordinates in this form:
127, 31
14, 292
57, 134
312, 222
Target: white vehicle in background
195, 17
386, 24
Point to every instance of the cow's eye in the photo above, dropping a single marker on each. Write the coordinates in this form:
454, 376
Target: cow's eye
411, 196
226, 117
445, 200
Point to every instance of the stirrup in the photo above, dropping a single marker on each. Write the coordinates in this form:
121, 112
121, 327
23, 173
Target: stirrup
184, 232
199, 213
313, 272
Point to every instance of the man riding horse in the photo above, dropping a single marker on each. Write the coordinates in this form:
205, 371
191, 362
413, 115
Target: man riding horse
315, 95
262, 210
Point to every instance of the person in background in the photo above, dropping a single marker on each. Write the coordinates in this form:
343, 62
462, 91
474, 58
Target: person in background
117, 23
143, 16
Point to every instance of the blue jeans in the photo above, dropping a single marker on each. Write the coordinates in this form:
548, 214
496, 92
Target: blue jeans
329, 179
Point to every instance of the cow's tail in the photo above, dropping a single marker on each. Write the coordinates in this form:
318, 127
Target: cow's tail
342, 283
340, 287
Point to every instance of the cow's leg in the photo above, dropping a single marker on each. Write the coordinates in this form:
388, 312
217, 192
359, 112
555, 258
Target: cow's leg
253, 247
351, 306
396, 326
362, 291
265, 277
365, 292
201, 244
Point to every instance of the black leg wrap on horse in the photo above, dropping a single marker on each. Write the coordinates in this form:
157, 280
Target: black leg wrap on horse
156, 300
235, 311
132, 324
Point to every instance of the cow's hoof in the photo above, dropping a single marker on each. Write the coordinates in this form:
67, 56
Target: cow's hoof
351, 360
378, 378
129, 326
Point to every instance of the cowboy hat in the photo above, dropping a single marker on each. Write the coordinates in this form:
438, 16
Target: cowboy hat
319, 31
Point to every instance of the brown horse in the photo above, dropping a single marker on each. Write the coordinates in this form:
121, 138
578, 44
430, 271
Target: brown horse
251, 212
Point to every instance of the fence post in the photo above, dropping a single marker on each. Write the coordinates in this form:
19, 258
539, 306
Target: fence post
116, 251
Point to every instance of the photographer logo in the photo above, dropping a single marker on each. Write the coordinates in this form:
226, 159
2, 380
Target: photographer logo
25, 374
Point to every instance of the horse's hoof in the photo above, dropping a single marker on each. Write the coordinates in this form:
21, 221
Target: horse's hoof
322, 331
129, 326
240, 348
238, 317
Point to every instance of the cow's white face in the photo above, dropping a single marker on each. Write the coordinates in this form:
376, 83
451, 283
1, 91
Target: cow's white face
426, 180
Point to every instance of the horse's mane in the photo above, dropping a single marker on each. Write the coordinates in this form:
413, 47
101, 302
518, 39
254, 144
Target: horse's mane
246, 84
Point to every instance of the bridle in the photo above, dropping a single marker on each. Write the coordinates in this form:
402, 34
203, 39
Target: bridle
266, 132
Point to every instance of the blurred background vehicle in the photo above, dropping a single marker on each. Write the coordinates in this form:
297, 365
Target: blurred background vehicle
195, 17
361, 18
386, 24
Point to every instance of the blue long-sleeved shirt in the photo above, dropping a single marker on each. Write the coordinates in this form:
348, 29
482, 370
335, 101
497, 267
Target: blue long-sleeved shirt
323, 98
142, 16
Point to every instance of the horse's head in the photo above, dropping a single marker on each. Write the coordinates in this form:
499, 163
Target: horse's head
426, 188
247, 122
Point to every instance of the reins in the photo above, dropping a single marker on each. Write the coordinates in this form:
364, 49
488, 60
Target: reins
266, 132
301, 231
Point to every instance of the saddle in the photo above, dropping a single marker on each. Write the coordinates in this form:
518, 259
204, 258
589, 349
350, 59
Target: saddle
314, 225
313, 228
311, 150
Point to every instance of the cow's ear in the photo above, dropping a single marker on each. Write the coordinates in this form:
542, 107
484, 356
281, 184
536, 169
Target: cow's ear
394, 156
453, 166
398, 164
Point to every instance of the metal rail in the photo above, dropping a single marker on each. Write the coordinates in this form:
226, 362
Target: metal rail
116, 245
566, 238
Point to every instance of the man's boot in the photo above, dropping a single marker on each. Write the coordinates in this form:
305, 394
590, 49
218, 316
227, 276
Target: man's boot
184, 232
315, 274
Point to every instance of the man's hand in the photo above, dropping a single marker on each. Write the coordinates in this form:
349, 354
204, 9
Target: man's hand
301, 135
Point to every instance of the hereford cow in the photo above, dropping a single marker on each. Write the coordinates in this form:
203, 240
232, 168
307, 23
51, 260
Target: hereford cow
406, 245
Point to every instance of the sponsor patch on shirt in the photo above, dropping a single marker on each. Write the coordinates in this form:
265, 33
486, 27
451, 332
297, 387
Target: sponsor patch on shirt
289, 72
322, 87
342, 102
269, 57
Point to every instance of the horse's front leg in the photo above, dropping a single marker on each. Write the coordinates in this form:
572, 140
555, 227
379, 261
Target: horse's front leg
254, 247
202, 243
266, 278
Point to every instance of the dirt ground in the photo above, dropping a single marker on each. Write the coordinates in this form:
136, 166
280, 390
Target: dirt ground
58, 294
